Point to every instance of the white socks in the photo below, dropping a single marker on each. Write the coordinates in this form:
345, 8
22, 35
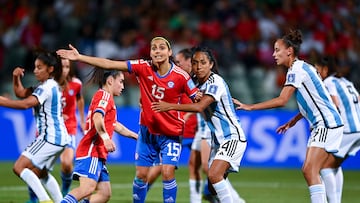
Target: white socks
52, 186
223, 191
317, 193
195, 191
328, 177
34, 183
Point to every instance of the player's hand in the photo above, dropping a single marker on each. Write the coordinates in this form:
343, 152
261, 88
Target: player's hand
240, 105
283, 128
160, 106
18, 72
109, 145
198, 96
71, 54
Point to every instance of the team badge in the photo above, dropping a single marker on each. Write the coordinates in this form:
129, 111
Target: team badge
291, 77
103, 103
71, 92
213, 89
171, 84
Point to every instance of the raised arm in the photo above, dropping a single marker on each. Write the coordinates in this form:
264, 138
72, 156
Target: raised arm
19, 90
74, 55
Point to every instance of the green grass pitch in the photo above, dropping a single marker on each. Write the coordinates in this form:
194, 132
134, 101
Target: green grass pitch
253, 184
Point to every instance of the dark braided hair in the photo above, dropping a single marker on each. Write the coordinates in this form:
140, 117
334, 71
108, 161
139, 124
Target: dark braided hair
293, 39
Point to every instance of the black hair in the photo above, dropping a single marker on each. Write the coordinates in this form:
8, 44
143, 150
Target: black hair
329, 62
210, 56
293, 39
51, 59
99, 76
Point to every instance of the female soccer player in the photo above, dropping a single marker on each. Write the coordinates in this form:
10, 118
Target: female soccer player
92, 151
314, 103
37, 160
346, 99
72, 99
228, 139
159, 134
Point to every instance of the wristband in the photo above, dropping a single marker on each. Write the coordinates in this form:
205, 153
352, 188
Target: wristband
105, 136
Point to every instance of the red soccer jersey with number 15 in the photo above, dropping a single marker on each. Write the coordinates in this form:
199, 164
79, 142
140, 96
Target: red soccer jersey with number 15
168, 88
91, 145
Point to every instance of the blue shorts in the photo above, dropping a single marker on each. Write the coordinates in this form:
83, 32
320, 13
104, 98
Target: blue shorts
91, 167
150, 148
187, 142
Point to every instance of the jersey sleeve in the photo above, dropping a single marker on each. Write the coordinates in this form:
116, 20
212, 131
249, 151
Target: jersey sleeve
190, 88
41, 93
330, 86
101, 102
215, 90
294, 77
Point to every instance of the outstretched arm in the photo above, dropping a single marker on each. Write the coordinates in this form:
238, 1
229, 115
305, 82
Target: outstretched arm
279, 101
26, 103
74, 55
200, 106
121, 129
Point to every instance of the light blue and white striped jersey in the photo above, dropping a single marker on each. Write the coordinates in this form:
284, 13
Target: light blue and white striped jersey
49, 121
313, 99
348, 97
220, 116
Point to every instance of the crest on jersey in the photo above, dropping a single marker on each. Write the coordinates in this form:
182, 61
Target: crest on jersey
213, 89
103, 103
71, 92
291, 77
171, 84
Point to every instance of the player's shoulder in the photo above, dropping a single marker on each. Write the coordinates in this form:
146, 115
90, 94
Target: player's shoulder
179, 71
76, 80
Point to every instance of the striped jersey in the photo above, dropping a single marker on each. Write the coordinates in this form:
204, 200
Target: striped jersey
220, 116
71, 93
92, 145
169, 88
314, 101
348, 98
48, 114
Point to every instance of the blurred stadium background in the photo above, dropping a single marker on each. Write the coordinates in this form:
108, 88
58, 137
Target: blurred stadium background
240, 32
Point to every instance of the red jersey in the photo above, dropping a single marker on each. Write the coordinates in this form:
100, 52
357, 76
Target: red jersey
91, 145
69, 98
191, 123
168, 88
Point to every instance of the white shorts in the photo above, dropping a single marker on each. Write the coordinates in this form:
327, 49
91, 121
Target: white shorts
350, 145
72, 142
327, 138
42, 153
196, 144
202, 133
230, 151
